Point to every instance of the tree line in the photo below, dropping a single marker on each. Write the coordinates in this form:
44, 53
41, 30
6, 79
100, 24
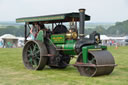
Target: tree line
119, 29
14, 30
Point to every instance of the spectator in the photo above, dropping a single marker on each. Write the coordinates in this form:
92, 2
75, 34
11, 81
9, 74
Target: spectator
34, 30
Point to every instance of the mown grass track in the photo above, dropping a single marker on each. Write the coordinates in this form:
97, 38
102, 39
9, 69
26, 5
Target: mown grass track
13, 72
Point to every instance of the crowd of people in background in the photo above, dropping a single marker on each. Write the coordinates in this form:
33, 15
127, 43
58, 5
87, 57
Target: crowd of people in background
1, 43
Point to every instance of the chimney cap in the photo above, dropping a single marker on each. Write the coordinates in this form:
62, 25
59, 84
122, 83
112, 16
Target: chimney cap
82, 9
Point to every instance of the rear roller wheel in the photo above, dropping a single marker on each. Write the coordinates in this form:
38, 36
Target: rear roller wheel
100, 61
34, 55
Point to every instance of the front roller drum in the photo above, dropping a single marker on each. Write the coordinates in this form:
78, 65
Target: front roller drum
99, 63
34, 55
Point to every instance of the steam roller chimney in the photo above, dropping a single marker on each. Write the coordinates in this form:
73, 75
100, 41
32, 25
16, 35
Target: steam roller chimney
81, 23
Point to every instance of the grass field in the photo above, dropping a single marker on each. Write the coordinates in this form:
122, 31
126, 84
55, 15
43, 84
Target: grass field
12, 71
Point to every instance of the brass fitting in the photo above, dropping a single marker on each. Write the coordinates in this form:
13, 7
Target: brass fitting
71, 35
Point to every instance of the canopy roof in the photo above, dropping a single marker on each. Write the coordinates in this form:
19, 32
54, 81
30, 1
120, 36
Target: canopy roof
8, 36
67, 17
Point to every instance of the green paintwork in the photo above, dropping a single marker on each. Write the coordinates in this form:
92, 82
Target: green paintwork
67, 17
58, 38
68, 47
30, 60
30, 53
85, 54
41, 18
86, 48
104, 47
33, 51
40, 36
70, 41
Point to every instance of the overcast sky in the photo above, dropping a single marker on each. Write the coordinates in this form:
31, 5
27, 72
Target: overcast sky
99, 10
